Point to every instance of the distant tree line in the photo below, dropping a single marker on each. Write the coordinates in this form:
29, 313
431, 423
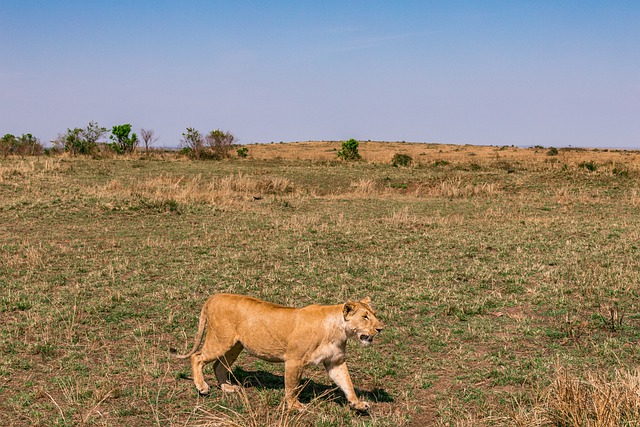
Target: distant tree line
217, 144
25, 145
85, 141
90, 140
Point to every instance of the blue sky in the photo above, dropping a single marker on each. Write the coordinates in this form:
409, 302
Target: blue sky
552, 73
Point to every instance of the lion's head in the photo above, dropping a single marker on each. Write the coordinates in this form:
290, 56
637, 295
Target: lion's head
361, 320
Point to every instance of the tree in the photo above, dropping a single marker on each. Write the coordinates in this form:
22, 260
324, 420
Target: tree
80, 141
7, 143
28, 145
349, 150
148, 138
92, 134
25, 145
220, 143
75, 143
193, 142
122, 142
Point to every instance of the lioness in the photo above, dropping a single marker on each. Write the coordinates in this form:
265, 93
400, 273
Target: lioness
296, 336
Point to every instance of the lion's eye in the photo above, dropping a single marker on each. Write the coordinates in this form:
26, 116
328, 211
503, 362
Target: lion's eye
366, 317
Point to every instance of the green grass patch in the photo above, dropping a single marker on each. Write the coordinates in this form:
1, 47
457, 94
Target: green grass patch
485, 279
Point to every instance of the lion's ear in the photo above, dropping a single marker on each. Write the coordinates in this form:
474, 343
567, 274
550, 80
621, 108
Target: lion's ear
367, 303
348, 308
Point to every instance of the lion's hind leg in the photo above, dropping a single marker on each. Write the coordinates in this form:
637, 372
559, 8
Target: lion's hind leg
225, 351
223, 368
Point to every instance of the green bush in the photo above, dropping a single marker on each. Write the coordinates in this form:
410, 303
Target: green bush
25, 145
6, 144
243, 152
591, 166
186, 151
80, 141
192, 143
553, 151
349, 150
122, 142
401, 160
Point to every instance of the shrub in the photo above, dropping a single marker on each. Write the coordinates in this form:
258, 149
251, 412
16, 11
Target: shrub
70, 141
220, 143
28, 145
553, 151
401, 160
186, 151
6, 144
92, 133
591, 166
122, 142
621, 171
25, 145
349, 150
243, 152
192, 143
80, 141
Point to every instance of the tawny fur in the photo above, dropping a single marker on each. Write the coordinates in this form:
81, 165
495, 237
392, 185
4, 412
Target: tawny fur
296, 336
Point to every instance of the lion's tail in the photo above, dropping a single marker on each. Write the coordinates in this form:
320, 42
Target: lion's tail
202, 323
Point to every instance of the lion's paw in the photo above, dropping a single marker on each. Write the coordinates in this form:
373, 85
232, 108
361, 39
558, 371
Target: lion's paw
229, 388
296, 405
203, 391
361, 406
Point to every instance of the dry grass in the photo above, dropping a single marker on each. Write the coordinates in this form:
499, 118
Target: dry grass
258, 410
595, 400
508, 280
458, 188
425, 154
224, 190
30, 166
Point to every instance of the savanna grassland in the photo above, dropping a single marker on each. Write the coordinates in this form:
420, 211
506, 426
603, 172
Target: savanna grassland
508, 279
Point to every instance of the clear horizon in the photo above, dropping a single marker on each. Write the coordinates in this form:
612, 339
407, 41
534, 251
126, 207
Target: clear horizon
481, 73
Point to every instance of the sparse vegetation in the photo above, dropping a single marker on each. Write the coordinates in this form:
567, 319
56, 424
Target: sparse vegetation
220, 144
401, 160
123, 140
25, 145
243, 152
349, 150
72, 142
192, 143
591, 166
509, 298
148, 138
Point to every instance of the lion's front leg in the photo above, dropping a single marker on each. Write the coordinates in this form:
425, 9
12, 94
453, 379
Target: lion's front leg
340, 375
292, 374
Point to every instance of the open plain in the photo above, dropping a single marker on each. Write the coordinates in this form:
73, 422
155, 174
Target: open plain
508, 280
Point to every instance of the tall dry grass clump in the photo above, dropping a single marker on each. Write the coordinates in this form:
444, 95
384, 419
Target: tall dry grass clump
595, 401
365, 187
30, 167
180, 189
457, 188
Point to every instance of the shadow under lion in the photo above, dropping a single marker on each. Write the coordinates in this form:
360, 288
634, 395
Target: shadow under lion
310, 389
